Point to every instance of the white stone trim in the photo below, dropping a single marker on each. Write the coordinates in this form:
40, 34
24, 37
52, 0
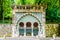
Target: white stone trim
28, 12
32, 29
25, 29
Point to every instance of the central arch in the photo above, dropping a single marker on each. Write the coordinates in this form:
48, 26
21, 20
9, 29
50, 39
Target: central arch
28, 22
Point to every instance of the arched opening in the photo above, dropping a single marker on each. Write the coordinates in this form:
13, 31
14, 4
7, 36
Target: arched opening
35, 29
35, 24
21, 24
28, 24
21, 30
28, 29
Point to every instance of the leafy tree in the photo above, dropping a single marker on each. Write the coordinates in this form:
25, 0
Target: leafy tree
51, 11
59, 9
7, 13
22, 2
1, 11
30, 2
18, 2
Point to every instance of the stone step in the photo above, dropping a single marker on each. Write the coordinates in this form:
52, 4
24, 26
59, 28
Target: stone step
22, 38
28, 38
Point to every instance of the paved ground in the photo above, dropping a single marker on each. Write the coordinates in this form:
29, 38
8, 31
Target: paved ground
28, 38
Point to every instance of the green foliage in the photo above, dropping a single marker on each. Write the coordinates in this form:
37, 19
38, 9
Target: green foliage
18, 2
1, 9
12, 1
51, 11
30, 2
22, 2
7, 9
53, 16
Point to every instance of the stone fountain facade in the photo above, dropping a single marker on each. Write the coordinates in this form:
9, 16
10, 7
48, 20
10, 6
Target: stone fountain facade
26, 16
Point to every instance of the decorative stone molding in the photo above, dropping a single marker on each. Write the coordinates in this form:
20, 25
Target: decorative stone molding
29, 8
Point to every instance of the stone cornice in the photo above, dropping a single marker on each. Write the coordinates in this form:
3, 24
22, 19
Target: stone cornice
29, 8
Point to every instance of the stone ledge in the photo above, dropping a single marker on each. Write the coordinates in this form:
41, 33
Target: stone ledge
34, 8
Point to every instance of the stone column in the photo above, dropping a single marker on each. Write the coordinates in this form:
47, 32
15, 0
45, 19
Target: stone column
39, 30
32, 29
43, 22
24, 29
13, 22
15, 32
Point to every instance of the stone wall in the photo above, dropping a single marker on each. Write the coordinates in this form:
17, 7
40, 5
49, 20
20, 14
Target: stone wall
6, 29
51, 29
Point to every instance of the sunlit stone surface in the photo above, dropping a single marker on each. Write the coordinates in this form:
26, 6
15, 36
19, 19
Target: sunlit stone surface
33, 23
